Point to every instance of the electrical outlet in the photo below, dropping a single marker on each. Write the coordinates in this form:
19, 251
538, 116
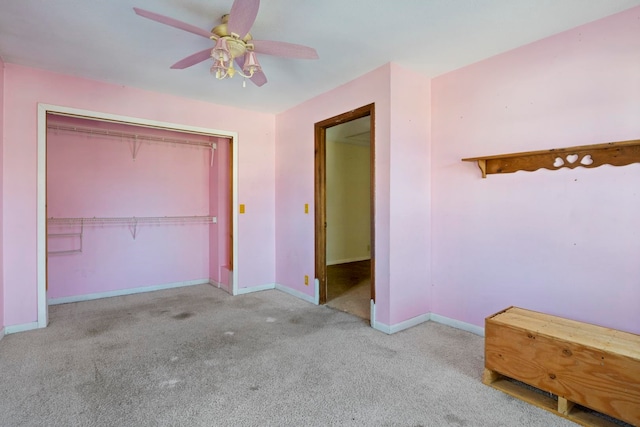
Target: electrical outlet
306, 280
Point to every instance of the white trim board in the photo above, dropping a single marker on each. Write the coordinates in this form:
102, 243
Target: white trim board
221, 286
122, 292
372, 314
41, 222
243, 291
297, 294
458, 324
392, 329
24, 327
281, 288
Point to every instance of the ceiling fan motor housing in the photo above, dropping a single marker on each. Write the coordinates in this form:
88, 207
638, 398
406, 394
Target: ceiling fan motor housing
237, 46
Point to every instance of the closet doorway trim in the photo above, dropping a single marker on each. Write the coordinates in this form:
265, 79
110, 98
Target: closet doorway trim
41, 211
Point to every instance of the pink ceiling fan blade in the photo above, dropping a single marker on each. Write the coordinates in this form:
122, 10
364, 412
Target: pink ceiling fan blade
258, 77
172, 22
194, 59
287, 50
242, 16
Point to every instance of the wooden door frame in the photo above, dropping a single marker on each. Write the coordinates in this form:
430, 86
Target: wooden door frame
321, 193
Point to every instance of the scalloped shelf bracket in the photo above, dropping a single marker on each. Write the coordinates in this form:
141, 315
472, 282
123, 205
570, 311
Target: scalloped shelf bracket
619, 153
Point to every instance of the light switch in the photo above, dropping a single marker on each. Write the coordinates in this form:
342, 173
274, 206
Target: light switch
241, 208
306, 208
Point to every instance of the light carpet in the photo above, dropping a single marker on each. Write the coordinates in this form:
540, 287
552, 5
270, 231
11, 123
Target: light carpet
199, 357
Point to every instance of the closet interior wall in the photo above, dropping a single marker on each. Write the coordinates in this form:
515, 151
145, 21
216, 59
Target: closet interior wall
120, 184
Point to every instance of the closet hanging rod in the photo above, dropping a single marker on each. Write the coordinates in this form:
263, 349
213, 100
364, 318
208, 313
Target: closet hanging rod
134, 136
132, 220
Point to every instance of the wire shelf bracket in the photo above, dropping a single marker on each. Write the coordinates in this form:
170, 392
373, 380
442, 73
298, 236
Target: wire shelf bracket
63, 235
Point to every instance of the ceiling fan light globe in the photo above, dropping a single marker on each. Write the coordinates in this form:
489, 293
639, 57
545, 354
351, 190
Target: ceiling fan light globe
251, 64
221, 50
220, 56
219, 70
215, 72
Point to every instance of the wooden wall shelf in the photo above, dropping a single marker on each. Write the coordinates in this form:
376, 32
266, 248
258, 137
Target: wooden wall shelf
619, 153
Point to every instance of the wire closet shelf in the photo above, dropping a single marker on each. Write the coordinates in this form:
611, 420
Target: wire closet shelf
136, 139
134, 136
131, 220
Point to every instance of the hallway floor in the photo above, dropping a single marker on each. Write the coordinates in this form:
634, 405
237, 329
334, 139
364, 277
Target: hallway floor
349, 288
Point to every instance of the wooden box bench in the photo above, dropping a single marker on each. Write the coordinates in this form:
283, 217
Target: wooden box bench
580, 364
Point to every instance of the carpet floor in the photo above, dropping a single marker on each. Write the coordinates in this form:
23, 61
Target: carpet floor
197, 356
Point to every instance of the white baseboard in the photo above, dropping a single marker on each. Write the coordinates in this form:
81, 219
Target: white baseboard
297, 294
14, 329
347, 260
121, 292
372, 314
392, 329
242, 291
221, 286
458, 324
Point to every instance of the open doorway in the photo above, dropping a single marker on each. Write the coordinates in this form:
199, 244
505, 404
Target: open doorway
344, 211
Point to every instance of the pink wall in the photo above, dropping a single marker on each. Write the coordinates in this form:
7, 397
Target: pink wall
410, 195
25, 87
90, 175
401, 187
563, 242
2, 322
295, 180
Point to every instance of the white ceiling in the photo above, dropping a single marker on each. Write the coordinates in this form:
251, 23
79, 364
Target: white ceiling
107, 41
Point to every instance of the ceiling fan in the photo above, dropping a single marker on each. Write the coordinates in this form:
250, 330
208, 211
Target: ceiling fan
234, 43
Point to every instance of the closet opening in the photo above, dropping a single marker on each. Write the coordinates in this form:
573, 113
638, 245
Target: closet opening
128, 205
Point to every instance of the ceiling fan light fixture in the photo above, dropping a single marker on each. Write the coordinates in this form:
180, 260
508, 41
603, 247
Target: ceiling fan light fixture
251, 64
231, 71
221, 50
226, 50
231, 45
219, 69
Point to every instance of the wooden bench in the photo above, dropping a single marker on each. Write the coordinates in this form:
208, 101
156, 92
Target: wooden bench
582, 365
